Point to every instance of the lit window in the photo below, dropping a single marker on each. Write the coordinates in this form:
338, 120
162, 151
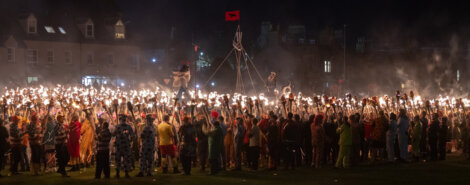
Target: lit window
50, 57
31, 24
119, 30
32, 56
458, 75
49, 29
89, 30
90, 59
62, 30
32, 79
68, 57
327, 66
120, 35
11, 55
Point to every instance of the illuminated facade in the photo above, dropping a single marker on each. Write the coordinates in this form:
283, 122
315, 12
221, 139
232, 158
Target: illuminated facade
86, 50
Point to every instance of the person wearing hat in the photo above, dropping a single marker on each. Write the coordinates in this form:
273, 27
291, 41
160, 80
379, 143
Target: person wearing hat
73, 143
124, 136
3, 143
442, 138
102, 137
238, 134
253, 147
289, 133
416, 132
378, 136
345, 143
86, 142
391, 136
403, 127
167, 147
16, 146
147, 137
215, 144
49, 143
273, 142
423, 145
187, 134
202, 142
433, 134
62, 154
34, 133
318, 137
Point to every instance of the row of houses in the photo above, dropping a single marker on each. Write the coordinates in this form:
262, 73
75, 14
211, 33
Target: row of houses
67, 49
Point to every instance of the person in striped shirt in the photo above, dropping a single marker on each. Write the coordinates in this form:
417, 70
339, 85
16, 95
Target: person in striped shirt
124, 136
62, 154
34, 132
48, 142
103, 137
148, 148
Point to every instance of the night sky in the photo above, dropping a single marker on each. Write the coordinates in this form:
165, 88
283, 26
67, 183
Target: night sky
430, 19
425, 20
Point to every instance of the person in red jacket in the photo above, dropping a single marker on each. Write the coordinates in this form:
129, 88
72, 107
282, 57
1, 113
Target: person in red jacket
73, 143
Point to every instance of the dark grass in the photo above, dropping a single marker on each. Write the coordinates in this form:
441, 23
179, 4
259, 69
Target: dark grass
454, 171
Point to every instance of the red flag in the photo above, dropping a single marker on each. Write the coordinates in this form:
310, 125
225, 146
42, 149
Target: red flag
232, 15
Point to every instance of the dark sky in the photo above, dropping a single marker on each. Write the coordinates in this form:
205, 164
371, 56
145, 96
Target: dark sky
152, 19
430, 19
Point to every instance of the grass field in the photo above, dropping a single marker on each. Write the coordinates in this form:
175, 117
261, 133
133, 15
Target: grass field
454, 171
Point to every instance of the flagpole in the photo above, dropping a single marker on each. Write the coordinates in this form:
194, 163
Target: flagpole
195, 61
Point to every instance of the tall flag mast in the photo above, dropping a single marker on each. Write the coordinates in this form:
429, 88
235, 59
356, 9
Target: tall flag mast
240, 54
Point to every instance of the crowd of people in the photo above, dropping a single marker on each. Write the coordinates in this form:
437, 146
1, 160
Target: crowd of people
50, 138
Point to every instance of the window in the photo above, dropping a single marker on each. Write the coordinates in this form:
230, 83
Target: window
31, 24
32, 79
361, 44
89, 30
62, 30
32, 56
110, 59
11, 55
49, 29
89, 59
327, 66
458, 75
50, 57
68, 57
120, 36
312, 42
134, 62
119, 30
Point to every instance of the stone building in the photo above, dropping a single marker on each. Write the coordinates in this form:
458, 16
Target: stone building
69, 49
